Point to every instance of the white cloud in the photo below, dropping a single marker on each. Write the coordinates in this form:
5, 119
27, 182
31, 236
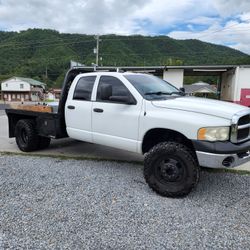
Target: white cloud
182, 17
234, 33
171, 14
231, 7
99, 16
81, 16
204, 20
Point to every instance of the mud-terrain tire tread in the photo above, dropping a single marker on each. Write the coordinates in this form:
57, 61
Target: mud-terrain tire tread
33, 139
171, 148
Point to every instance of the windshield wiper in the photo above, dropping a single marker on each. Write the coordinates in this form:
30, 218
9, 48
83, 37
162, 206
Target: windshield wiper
177, 93
164, 93
157, 93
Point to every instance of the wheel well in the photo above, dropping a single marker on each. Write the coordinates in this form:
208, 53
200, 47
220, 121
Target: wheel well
13, 119
155, 136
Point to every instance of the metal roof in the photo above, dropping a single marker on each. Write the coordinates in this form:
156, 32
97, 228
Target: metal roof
189, 70
229, 66
28, 80
214, 67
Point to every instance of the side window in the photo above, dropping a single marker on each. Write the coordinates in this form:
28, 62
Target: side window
84, 87
110, 86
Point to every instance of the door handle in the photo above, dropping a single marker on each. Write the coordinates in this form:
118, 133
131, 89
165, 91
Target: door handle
98, 110
71, 107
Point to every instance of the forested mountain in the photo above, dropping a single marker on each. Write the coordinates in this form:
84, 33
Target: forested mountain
34, 52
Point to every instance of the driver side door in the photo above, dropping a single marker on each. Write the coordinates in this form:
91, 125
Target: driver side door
115, 123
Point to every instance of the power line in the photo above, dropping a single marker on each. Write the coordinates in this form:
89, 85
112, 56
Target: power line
46, 45
39, 44
118, 38
159, 54
219, 30
55, 39
129, 38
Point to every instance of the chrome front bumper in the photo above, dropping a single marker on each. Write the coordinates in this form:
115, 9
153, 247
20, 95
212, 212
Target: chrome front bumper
212, 160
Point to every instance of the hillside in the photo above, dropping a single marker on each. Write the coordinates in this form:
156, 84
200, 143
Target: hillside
30, 53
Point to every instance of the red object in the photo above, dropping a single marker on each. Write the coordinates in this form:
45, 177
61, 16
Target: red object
245, 97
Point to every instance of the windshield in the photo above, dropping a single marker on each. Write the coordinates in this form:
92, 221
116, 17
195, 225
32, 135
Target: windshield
152, 87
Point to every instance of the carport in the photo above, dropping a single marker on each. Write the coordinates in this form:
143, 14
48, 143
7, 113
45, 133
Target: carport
233, 80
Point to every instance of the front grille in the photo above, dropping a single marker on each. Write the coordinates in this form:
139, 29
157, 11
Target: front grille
242, 134
240, 131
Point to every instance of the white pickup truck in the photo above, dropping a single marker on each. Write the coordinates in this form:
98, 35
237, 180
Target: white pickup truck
146, 115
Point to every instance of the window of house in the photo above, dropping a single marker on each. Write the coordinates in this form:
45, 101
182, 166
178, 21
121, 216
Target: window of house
84, 87
6, 85
21, 86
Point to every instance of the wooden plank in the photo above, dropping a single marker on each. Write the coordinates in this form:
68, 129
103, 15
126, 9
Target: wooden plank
35, 108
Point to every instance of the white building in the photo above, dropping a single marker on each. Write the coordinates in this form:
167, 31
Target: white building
235, 85
233, 80
22, 89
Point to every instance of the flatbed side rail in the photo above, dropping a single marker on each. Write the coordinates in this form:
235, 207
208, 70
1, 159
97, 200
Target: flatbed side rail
47, 124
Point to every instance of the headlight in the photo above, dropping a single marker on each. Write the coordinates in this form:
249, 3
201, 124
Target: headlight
213, 134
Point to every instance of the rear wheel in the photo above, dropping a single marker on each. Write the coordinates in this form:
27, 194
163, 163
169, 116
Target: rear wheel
171, 169
26, 136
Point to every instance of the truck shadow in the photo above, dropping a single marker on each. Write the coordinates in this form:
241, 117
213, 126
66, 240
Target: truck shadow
74, 148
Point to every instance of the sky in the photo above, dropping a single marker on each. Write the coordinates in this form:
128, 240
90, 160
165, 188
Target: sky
225, 22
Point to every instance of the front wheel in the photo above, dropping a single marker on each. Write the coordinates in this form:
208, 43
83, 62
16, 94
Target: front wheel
171, 169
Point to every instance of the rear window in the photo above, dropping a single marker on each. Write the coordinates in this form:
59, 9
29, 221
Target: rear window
84, 87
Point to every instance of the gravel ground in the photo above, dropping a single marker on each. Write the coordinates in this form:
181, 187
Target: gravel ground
2, 108
48, 203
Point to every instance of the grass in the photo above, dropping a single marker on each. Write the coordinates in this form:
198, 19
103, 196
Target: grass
81, 158
226, 170
50, 100
67, 157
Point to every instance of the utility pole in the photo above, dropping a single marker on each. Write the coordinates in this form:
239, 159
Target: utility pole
96, 50
46, 75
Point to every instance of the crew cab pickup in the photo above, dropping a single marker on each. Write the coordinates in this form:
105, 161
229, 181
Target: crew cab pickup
143, 114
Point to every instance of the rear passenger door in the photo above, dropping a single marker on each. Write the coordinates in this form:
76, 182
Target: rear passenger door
78, 109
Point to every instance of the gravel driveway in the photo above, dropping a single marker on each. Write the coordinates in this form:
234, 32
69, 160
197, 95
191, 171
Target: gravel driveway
48, 203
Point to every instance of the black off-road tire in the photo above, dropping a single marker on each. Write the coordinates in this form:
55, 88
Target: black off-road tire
171, 169
44, 142
26, 136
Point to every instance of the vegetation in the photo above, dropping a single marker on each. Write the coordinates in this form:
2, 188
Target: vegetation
45, 54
